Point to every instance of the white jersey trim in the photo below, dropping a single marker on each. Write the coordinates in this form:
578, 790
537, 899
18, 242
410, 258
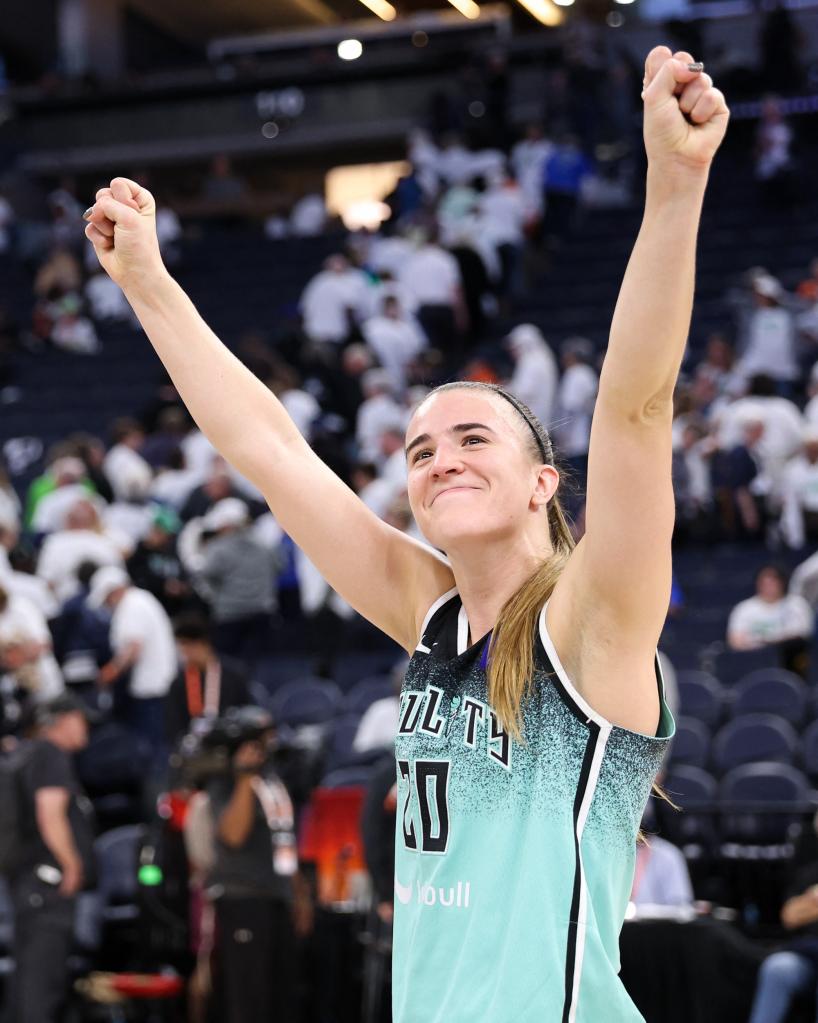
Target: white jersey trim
579, 700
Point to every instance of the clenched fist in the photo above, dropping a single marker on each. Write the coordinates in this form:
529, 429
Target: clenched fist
122, 229
685, 116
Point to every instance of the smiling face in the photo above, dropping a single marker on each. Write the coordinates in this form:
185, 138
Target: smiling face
471, 471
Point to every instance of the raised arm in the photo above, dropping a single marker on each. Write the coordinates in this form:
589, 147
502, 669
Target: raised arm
618, 578
387, 577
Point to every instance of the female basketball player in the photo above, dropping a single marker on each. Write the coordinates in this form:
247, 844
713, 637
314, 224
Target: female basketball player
532, 718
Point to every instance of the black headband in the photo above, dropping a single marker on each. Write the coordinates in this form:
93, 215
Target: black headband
529, 419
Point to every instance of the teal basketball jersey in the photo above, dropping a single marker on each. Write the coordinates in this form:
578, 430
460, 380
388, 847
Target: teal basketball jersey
513, 862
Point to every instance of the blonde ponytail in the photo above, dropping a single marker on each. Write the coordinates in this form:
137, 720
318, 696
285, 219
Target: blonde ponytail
511, 655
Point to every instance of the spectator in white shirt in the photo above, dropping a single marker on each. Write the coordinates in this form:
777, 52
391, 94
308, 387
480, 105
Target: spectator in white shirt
21, 583
528, 158
387, 254
168, 232
106, 300
502, 218
379, 412
661, 877
308, 217
174, 481
25, 647
535, 376
811, 408
432, 276
783, 423
799, 494
375, 492
123, 466
143, 645
392, 457
333, 301
576, 397
768, 345
395, 338
773, 619
64, 551
71, 330
70, 485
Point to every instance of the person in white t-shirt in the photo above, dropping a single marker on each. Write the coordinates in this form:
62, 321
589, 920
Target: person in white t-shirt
799, 494
70, 485
82, 540
431, 275
379, 412
772, 618
18, 583
333, 300
124, 468
25, 647
769, 345
106, 300
528, 158
395, 338
576, 397
535, 376
143, 644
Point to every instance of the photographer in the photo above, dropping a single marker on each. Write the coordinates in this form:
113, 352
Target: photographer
262, 903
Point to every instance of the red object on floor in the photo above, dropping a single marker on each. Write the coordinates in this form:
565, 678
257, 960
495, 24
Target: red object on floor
331, 838
147, 985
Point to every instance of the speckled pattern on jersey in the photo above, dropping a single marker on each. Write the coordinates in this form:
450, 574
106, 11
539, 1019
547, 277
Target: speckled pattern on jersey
506, 907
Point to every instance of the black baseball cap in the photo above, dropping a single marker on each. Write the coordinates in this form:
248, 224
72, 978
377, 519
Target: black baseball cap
46, 712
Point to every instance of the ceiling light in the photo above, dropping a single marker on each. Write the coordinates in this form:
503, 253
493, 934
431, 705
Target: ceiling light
468, 8
385, 10
544, 11
350, 49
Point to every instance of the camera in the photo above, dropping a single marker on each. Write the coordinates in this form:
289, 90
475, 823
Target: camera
207, 750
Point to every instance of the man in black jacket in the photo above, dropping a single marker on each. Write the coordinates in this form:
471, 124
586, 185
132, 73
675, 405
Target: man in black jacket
206, 686
56, 857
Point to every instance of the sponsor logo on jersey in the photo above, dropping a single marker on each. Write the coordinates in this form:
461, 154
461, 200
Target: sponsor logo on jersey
456, 896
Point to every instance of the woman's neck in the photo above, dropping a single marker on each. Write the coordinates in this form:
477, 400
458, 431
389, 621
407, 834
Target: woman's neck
487, 576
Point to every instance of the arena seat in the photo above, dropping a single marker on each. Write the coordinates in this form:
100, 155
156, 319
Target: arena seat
364, 693
693, 790
754, 737
759, 803
771, 691
701, 696
691, 743
809, 751
306, 702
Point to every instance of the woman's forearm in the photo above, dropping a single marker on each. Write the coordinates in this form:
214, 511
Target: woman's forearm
239, 415
652, 316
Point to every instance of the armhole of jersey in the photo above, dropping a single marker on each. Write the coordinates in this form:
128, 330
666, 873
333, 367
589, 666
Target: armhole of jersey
443, 599
581, 706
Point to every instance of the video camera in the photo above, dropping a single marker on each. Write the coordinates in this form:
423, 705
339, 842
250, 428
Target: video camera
207, 750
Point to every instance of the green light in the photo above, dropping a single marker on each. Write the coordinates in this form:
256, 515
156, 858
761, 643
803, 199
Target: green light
150, 875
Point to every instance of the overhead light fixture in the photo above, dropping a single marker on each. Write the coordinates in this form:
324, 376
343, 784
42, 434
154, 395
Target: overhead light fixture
468, 8
382, 8
564, 3
544, 11
350, 49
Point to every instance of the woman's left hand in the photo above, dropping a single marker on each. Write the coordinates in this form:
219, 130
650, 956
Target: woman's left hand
685, 116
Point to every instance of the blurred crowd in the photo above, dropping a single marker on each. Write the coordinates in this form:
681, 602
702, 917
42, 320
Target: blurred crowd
144, 582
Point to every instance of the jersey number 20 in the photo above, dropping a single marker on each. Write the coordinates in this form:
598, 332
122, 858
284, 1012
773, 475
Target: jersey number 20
430, 780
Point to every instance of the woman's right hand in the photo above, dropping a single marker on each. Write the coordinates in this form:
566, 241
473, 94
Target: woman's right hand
122, 229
